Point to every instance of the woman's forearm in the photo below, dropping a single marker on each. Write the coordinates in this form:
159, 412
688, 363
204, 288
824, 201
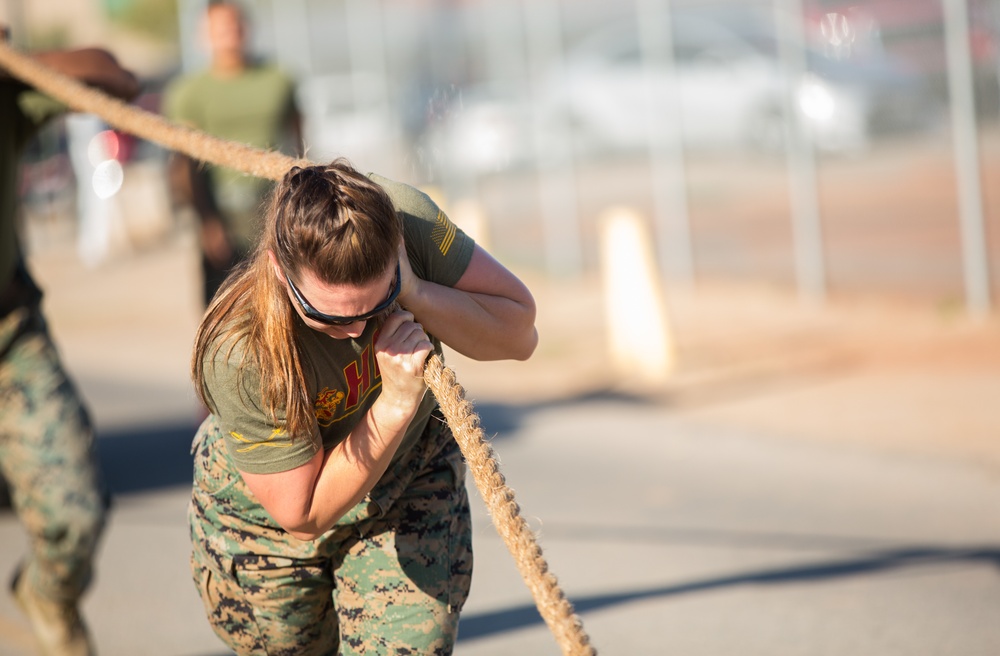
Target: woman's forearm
488, 315
477, 325
350, 470
308, 500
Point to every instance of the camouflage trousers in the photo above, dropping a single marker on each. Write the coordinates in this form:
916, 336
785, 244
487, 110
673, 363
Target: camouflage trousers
390, 578
47, 456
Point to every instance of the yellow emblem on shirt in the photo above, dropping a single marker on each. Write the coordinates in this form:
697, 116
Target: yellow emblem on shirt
326, 404
269, 442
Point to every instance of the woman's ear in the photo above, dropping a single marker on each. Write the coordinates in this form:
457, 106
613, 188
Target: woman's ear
278, 271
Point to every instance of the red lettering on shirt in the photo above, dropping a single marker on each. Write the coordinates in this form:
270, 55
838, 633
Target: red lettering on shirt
359, 377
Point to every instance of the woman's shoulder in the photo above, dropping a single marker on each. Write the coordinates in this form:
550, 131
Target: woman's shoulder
407, 199
227, 353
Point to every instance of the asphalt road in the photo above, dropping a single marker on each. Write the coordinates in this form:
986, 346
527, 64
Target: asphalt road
678, 537
670, 535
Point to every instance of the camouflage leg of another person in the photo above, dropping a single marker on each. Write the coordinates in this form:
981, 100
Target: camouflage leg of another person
48, 457
401, 586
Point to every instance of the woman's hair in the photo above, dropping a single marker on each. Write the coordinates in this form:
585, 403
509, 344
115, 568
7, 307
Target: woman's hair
328, 219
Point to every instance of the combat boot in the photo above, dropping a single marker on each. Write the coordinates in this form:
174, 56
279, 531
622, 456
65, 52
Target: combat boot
58, 626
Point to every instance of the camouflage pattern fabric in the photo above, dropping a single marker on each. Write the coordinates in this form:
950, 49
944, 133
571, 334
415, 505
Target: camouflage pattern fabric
47, 456
390, 578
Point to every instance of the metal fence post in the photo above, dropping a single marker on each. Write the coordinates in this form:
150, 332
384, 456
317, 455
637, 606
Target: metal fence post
666, 151
807, 230
553, 143
963, 124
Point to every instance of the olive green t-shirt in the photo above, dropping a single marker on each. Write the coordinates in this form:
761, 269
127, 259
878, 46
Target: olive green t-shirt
252, 108
22, 113
342, 376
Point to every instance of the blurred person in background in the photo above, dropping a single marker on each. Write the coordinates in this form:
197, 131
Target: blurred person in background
47, 451
239, 100
329, 511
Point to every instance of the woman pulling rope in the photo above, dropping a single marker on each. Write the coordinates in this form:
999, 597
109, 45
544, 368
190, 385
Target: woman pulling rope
328, 502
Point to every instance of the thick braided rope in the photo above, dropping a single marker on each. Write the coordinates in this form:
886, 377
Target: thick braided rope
153, 127
555, 609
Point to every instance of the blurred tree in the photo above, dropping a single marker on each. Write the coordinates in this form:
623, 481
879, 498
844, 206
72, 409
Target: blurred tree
153, 18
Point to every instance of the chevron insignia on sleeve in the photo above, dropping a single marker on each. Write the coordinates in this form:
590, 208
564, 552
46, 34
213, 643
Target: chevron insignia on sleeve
443, 233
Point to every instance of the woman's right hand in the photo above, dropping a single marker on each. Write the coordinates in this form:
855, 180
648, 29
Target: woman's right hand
401, 349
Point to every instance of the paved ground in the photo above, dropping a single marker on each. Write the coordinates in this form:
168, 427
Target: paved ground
811, 480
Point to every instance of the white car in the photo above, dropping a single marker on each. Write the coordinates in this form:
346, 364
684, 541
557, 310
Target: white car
726, 90
726, 83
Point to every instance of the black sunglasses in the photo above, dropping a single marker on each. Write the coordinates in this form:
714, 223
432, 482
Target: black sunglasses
333, 320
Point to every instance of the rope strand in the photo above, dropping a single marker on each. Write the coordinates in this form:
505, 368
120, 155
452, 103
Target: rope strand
555, 609
552, 604
267, 164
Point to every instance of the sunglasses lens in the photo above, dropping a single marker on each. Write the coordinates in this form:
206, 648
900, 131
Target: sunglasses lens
380, 313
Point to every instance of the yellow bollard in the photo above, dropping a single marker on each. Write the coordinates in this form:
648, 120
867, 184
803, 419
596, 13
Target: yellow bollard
640, 338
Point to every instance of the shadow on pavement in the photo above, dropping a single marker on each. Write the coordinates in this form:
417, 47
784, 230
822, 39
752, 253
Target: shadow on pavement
484, 625
146, 458
168, 446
